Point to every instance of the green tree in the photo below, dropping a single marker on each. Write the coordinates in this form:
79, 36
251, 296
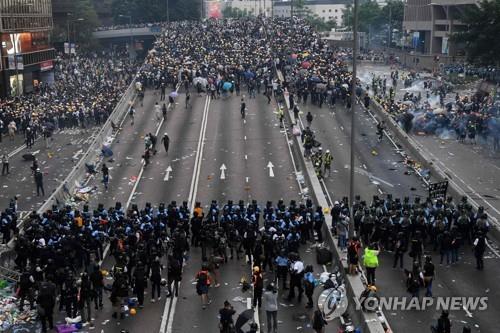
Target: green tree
229, 12
482, 32
82, 20
300, 8
319, 24
155, 10
393, 11
369, 16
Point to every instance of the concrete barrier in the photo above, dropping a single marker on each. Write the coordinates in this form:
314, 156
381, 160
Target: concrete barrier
65, 190
373, 322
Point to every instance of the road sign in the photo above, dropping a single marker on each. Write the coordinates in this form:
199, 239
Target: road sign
223, 171
270, 166
167, 173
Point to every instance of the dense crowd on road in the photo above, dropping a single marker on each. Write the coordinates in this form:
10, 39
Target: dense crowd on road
201, 54
429, 106
85, 91
59, 253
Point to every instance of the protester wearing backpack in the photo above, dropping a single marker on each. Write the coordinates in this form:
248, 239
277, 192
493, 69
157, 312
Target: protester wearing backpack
174, 275
309, 285
46, 301
202, 285
415, 279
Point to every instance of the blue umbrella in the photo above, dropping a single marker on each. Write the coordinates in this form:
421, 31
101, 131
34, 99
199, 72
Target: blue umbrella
249, 75
227, 85
315, 79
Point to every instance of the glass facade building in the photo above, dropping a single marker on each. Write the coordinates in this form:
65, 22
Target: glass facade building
26, 53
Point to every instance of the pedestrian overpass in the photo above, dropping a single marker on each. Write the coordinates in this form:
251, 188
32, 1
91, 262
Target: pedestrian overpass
149, 31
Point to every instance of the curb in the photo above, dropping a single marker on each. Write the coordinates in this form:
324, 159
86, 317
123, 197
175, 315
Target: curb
373, 322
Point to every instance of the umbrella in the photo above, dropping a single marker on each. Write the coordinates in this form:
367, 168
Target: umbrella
440, 111
321, 86
243, 318
29, 157
49, 126
294, 56
106, 151
227, 85
306, 64
249, 75
200, 80
315, 79
174, 94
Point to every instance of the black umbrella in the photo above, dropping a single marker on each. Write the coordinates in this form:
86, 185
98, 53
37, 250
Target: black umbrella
29, 157
243, 318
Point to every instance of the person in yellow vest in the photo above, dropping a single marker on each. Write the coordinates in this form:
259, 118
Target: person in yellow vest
370, 261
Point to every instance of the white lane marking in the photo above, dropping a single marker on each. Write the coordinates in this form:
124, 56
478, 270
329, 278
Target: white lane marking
167, 173
245, 138
270, 166
372, 177
198, 153
172, 311
246, 179
143, 164
166, 323
246, 157
223, 171
449, 171
77, 154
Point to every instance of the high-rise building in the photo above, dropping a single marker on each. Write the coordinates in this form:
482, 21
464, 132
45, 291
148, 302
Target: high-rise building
327, 10
27, 56
430, 24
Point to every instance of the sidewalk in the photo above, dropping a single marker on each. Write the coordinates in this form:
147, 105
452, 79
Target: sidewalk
473, 168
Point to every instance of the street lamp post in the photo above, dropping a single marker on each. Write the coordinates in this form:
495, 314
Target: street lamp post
68, 22
353, 108
131, 33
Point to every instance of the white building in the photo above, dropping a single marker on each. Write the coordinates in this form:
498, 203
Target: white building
327, 10
252, 7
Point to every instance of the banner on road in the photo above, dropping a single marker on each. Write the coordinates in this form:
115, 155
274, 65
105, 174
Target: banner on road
438, 190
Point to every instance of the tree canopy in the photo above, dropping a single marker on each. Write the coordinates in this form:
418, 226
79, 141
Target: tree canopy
482, 32
155, 10
371, 15
82, 19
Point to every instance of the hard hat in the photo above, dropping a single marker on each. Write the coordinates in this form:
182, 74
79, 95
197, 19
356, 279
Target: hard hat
328, 150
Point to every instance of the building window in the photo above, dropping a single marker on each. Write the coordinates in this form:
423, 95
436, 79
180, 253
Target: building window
324, 11
329, 10
336, 10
